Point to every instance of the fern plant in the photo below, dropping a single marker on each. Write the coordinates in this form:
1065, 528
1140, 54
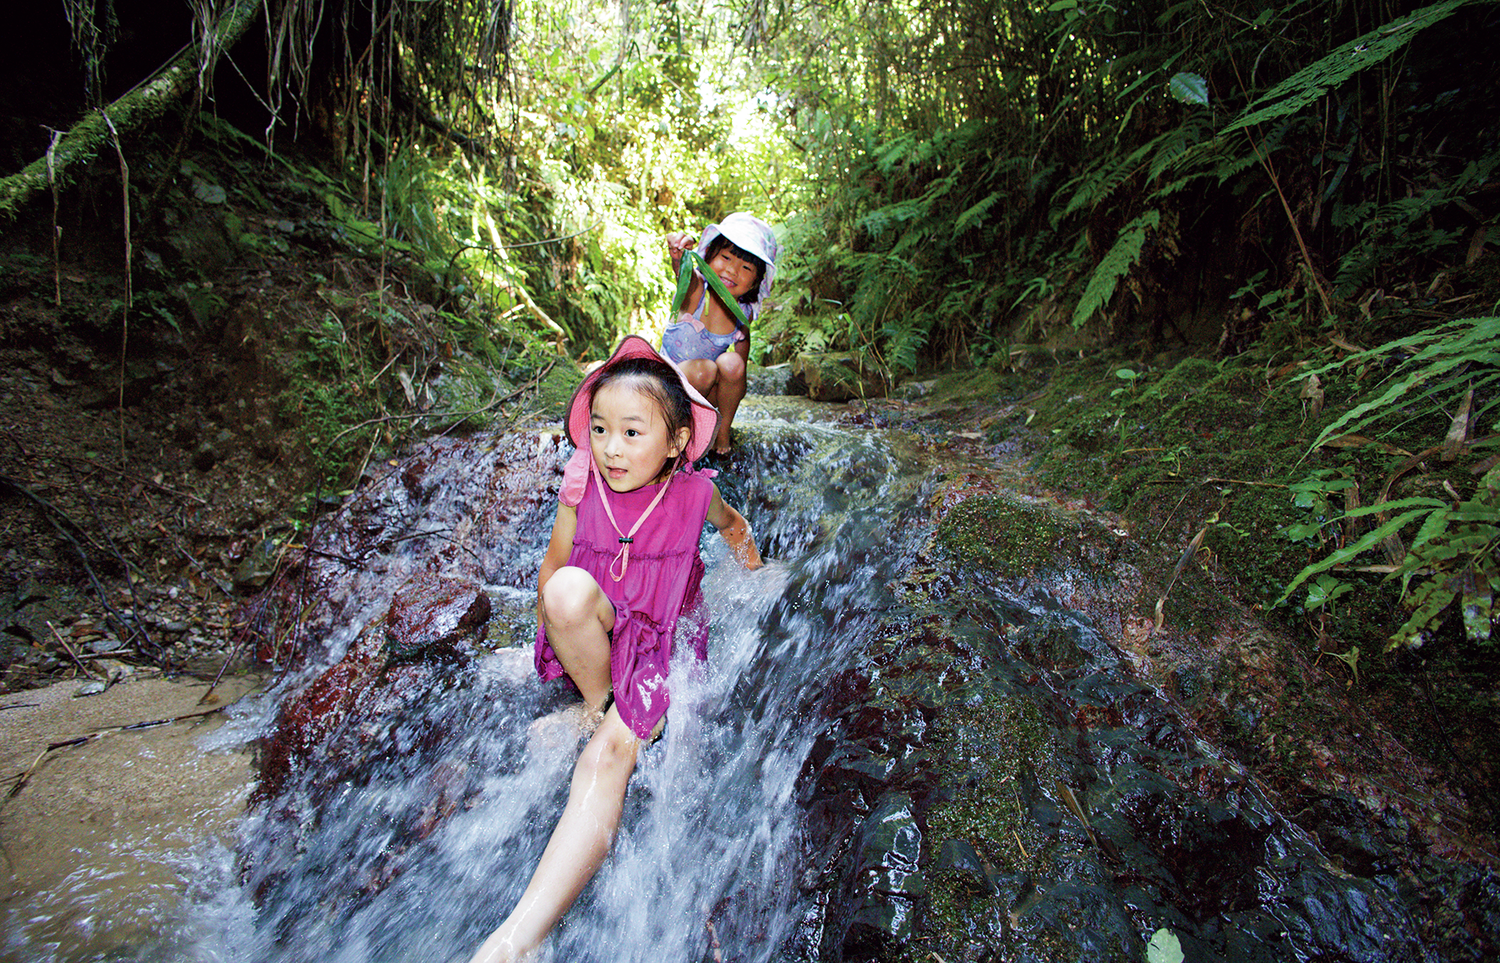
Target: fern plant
1116, 264
1454, 555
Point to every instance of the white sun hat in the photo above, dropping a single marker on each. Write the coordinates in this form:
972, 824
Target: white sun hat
751, 234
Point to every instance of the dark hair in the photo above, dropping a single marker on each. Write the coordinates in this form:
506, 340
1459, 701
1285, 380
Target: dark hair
720, 243
658, 381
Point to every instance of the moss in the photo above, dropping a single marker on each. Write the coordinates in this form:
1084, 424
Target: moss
978, 384
1006, 538
555, 391
991, 746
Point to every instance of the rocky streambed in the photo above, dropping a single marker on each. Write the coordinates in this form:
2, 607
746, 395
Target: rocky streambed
940, 723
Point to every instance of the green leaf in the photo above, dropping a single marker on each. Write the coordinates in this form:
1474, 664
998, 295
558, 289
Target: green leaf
1325, 589
974, 213
1478, 613
1164, 947
1344, 554
1188, 88
1115, 265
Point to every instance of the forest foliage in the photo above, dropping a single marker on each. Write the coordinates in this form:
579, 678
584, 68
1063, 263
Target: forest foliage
954, 181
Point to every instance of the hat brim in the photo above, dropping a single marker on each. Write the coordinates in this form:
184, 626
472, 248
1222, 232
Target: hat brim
705, 415
748, 233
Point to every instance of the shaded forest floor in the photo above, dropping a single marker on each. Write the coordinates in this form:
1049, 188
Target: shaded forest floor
144, 500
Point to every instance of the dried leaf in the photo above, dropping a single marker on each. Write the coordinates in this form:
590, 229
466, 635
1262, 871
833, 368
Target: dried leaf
1187, 556
1351, 502
1476, 244
1458, 430
1312, 394
1357, 441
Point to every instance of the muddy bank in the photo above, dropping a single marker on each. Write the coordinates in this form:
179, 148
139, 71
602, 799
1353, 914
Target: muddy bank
95, 843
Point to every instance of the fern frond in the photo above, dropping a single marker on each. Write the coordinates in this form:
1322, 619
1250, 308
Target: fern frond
881, 220
1370, 540
976, 212
1316, 79
895, 153
1115, 265
1096, 185
1439, 351
1175, 146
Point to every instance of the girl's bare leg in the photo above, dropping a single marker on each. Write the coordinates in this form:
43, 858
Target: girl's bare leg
703, 374
730, 390
578, 618
578, 844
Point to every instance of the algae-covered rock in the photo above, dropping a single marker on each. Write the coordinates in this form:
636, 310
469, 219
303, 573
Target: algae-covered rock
841, 376
775, 379
1010, 539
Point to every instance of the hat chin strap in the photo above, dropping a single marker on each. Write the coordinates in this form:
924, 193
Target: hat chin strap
623, 558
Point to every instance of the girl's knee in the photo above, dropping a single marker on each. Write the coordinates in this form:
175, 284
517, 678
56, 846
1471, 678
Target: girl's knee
700, 374
611, 751
570, 596
731, 367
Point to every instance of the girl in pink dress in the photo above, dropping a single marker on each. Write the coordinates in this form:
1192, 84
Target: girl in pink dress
621, 572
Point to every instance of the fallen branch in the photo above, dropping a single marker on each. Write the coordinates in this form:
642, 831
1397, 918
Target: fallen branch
22, 778
142, 104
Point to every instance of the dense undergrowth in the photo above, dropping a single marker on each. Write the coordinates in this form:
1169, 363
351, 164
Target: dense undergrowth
1346, 495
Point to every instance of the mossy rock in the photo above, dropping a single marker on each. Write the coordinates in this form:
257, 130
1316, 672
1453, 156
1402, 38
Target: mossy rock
555, 391
841, 376
1011, 539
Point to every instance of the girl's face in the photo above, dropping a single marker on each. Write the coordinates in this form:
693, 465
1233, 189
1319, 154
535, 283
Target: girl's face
629, 436
738, 274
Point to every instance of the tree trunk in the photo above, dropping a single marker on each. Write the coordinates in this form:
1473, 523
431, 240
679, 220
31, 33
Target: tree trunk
144, 103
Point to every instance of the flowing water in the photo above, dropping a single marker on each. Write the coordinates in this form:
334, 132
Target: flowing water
414, 824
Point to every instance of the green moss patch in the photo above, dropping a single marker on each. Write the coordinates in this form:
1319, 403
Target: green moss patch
1006, 538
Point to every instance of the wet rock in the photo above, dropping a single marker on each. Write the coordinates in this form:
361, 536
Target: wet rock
840, 376
776, 379
432, 612
257, 567
428, 616
1077, 819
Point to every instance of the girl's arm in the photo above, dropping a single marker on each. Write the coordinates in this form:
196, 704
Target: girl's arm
736, 531
558, 549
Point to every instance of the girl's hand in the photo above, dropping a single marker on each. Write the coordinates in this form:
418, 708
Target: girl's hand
735, 530
742, 544
677, 243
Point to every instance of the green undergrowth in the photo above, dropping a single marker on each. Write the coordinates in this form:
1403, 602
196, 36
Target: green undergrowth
1337, 493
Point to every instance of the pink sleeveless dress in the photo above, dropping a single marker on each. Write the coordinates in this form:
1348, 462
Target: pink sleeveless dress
661, 588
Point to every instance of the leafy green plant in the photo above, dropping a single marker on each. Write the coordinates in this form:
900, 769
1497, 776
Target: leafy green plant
1453, 559
1115, 265
1433, 370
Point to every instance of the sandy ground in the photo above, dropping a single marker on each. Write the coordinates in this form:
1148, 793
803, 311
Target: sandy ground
94, 848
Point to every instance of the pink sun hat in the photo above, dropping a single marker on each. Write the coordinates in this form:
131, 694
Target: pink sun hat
580, 413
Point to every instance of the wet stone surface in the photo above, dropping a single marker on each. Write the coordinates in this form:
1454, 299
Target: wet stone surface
986, 777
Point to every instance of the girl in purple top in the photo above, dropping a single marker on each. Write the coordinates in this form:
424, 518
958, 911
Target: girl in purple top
621, 571
707, 340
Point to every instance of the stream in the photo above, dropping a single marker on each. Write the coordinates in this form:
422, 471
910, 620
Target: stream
892, 753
